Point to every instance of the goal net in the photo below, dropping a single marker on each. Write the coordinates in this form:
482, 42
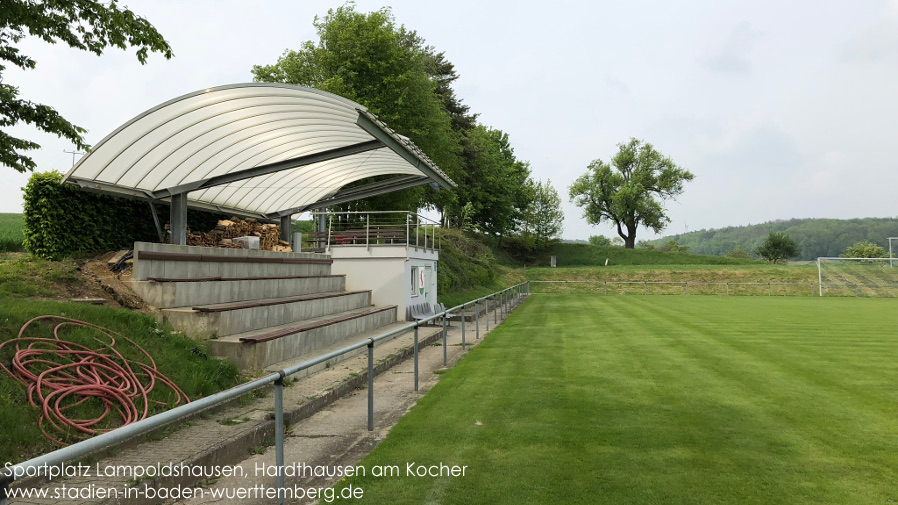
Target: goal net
858, 277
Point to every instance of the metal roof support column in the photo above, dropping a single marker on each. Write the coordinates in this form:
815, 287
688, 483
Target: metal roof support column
286, 228
179, 219
156, 222
322, 223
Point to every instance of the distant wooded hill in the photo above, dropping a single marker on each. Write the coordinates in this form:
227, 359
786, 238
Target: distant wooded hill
815, 237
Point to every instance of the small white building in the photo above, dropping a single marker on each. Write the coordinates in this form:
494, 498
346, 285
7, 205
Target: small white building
394, 254
395, 274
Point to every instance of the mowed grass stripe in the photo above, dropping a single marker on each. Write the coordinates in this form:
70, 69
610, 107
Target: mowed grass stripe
788, 405
654, 399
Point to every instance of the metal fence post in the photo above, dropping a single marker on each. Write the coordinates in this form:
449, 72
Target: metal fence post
444, 339
486, 312
416, 357
371, 385
476, 321
728, 289
645, 287
496, 314
768, 289
606, 288
686, 287
279, 435
462, 327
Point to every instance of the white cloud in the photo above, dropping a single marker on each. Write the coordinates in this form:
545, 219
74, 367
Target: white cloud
733, 55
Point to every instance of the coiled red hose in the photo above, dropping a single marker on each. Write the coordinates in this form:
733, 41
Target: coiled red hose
60, 375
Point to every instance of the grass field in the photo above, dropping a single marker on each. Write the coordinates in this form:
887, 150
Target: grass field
662, 400
11, 236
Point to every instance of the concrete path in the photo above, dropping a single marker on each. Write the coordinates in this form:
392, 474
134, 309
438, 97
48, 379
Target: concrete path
326, 413
338, 435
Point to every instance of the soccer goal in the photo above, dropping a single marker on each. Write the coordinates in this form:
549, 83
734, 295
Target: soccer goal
870, 277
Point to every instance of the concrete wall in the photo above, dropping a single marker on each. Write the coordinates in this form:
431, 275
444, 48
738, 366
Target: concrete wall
386, 271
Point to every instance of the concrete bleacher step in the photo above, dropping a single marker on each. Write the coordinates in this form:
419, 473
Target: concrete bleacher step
238, 317
181, 292
260, 348
171, 261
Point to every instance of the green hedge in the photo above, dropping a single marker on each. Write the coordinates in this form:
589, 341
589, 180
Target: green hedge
61, 220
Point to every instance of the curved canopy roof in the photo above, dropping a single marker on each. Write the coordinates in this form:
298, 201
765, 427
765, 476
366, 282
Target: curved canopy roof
255, 149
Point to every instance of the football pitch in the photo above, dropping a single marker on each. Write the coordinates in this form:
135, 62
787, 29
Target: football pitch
661, 400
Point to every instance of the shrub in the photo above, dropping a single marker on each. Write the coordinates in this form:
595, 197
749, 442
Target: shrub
739, 253
62, 220
674, 246
864, 250
776, 247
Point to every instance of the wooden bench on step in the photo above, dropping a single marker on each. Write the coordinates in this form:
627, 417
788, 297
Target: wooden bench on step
284, 332
228, 279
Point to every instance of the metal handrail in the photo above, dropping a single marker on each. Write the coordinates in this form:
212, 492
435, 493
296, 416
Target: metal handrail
151, 423
371, 222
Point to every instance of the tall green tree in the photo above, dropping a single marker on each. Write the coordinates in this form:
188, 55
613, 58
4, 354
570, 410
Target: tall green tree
88, 25
543, 217
368, 58
494, 182
630, 191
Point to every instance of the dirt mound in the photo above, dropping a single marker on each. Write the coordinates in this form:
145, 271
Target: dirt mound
116, 286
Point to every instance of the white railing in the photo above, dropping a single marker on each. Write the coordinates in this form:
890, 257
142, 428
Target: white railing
374, 228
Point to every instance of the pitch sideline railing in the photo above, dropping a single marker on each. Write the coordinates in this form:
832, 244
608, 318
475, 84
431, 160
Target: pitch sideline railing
502, 301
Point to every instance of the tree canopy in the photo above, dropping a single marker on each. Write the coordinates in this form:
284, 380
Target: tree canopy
630, 191
815, 237
494, 182
543, 217
371, 59
777, 247
599, 240
88, 25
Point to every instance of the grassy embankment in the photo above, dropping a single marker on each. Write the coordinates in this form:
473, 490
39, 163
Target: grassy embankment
674, 400
31, 288
11, 236
589, 255
482, 270
580, 262
468, 269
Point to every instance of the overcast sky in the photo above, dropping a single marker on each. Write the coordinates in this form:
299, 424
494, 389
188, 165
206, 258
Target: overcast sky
780, 109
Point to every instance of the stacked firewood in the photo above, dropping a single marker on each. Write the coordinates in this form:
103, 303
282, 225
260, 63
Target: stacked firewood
228, 229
